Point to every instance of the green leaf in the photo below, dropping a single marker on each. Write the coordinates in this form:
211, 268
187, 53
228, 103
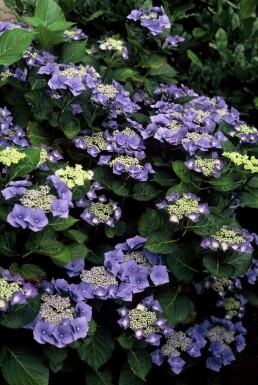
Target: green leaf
120, 188
126, 376
151, 221
13, 44
62, 257
28, 271
145, 191
218, 267
221, 39
179, 263
77, 235
240, 261
163, 177
25, 165
119, 229
7, 244
23, 367
166, 73
34, 21
177, 307
49, 38
183, 173
140, 362
122, 74
60, 224
194, 58
45, 243
80, 191
160, 242
37, 135
152, 61
18, 316
208, 224
78, 251
99, 377
198, 32
150, 85
73, 53
248, 199
247, 8
96, 14
224, 183
60, 26
56, 357
98, 349
253, 182
126, 340
49, 11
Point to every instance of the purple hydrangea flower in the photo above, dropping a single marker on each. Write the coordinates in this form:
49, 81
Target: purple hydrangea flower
154, 20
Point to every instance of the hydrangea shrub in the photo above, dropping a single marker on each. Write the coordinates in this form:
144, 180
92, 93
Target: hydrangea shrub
118, 207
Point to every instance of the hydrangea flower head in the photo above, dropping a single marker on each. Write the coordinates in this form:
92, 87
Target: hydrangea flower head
186, 206
61, 320
14, 290
235, 239
154, 20
132, 263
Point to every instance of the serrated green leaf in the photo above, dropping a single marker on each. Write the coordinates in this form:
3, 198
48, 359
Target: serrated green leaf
140, 362
152, 61
208, 224
126, 340
217, 267
163, 177
18, 316
165, 73
49, 11
56, 357
23, 367
240, 261
119, 229
225, 183
60, 224
28, 271
25, 165
126, 376
145, 191
77, 235
12, 45
160, 242
98, 349
177, 307
249, 199
122, 74
99, 377
80, 191
247, 8
62, 257
120, 188
37, 135
183, 173
60, 26
179, 263
7, 244
49, 38
45, 243
78, 250
34, 21
73, 53
151, 221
